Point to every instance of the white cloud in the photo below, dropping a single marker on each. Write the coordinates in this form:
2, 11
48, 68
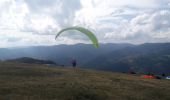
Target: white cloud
148, 27
40, 24
35, 22
126, 21
12, 15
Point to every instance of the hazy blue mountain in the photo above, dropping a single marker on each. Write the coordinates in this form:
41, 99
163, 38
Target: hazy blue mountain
62, 54
31, 60
150, 57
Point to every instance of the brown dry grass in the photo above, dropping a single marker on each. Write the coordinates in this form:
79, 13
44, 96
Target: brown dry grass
38, 82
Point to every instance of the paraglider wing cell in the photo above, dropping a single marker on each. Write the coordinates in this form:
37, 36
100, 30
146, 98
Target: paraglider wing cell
88, 33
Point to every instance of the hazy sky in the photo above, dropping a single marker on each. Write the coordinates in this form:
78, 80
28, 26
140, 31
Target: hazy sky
35, 22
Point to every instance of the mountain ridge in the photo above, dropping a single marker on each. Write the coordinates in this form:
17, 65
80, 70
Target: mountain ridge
110, 57
145, 55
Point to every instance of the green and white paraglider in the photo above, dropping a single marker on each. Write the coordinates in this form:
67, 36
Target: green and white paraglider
87, 32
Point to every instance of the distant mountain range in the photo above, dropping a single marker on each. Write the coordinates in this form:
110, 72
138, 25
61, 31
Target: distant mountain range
154, 58
31, 60
61, 54
149, 57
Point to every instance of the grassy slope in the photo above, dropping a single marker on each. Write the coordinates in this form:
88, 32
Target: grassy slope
32, 82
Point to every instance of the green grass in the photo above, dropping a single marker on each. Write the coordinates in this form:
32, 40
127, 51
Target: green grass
38, 82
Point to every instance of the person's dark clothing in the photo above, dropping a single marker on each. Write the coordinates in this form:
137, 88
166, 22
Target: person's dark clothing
74, 63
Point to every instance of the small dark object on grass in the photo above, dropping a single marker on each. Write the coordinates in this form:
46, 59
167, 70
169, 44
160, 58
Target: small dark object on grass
132, 72
158, 77
163, 75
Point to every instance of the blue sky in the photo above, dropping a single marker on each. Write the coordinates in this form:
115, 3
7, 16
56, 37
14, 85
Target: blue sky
35, 22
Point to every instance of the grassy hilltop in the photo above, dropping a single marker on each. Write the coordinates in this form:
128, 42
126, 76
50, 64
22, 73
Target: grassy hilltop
39, 82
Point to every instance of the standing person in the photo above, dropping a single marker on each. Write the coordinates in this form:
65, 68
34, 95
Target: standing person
74, 63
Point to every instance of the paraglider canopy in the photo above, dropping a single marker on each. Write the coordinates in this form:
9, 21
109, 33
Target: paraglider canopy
87, 32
